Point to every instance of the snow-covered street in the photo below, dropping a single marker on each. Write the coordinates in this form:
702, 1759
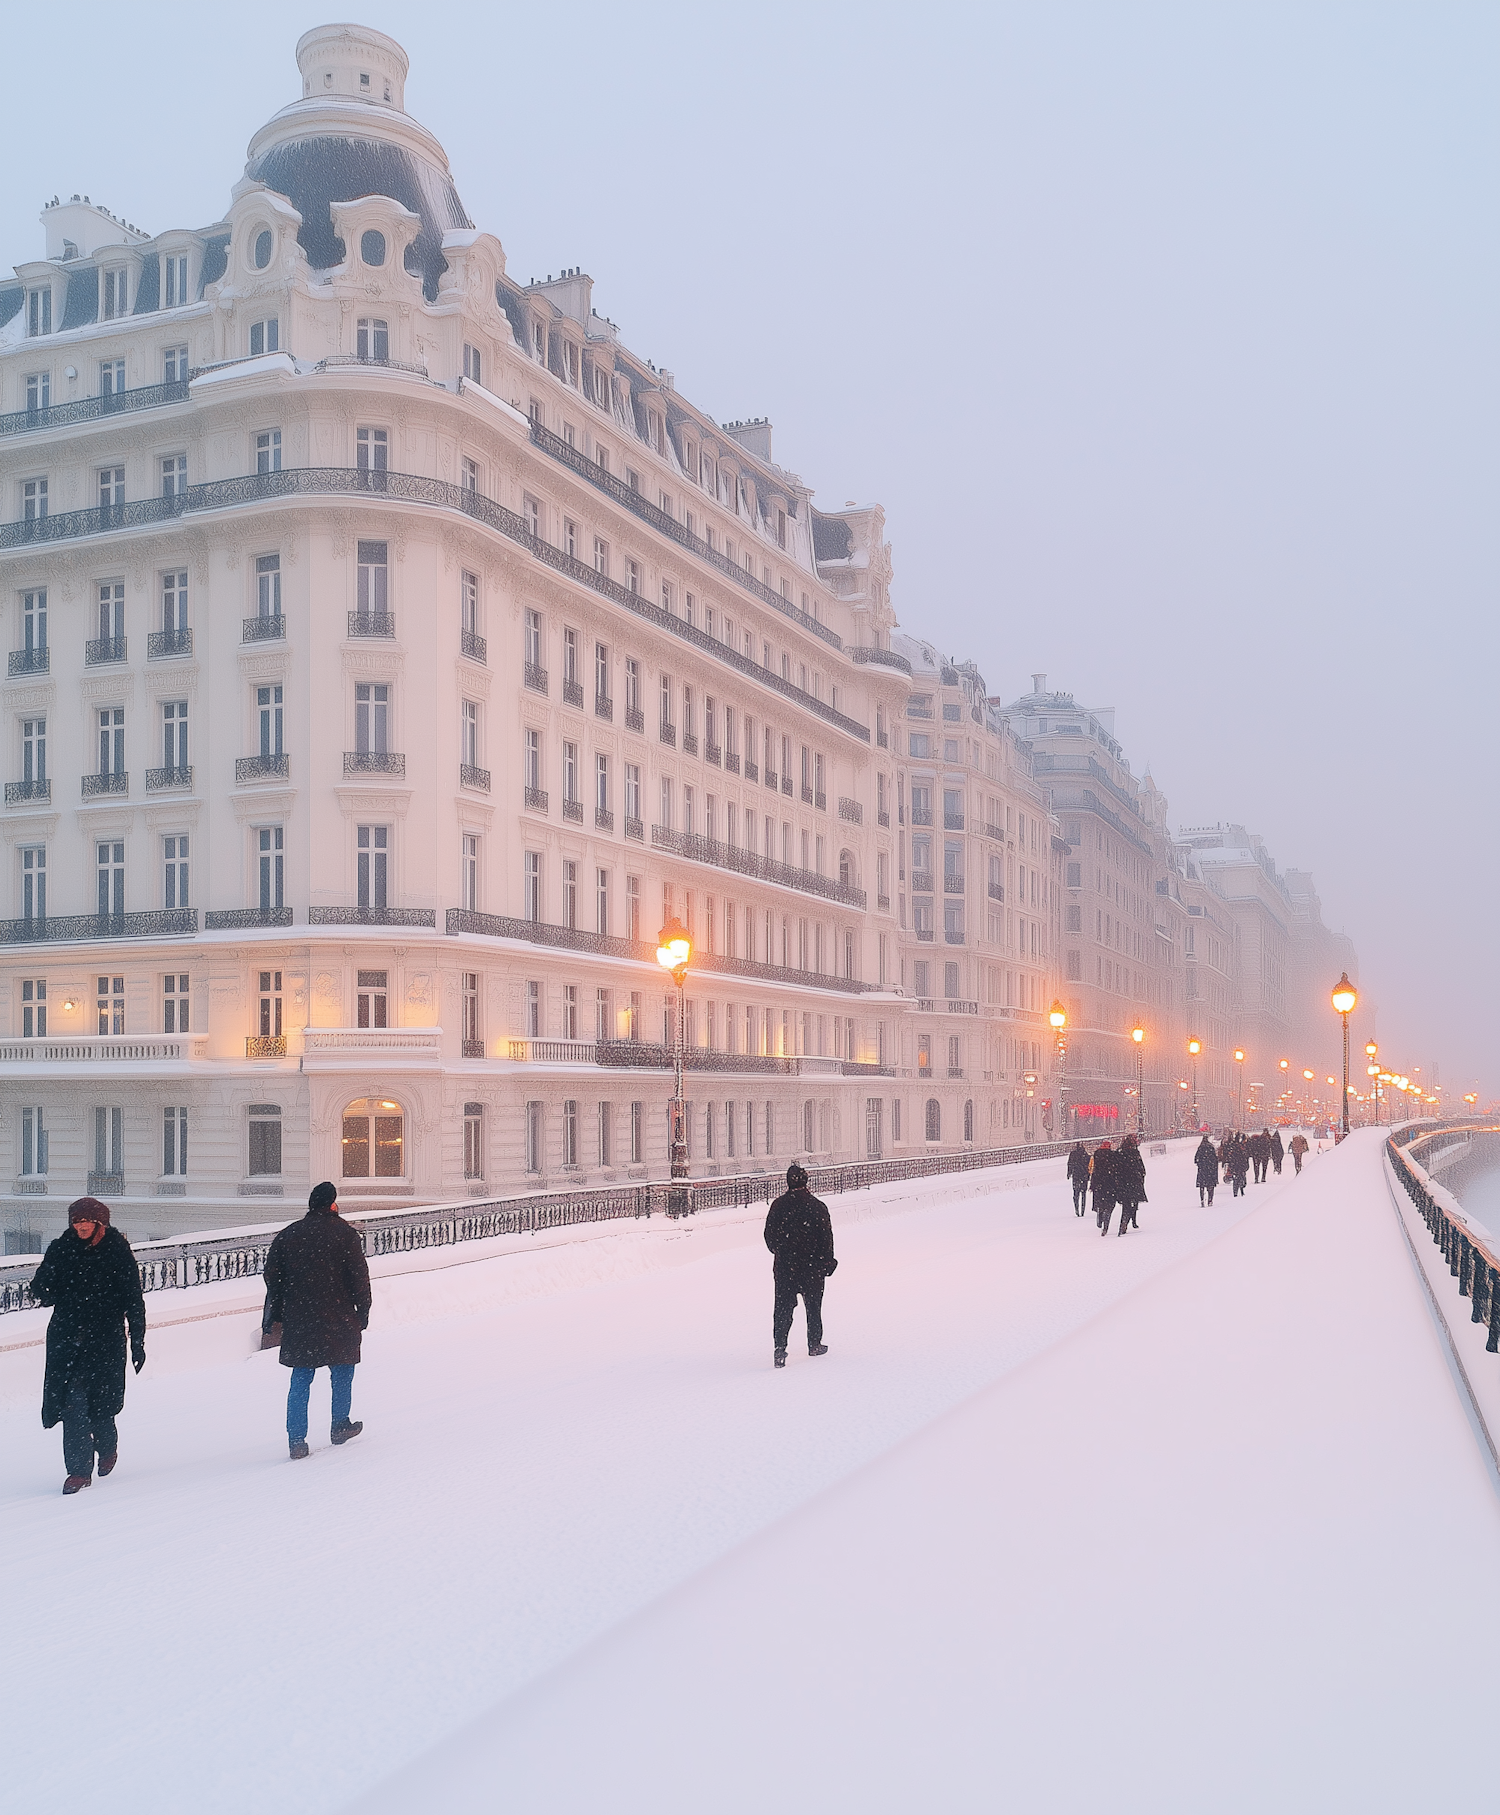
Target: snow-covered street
1058, 1521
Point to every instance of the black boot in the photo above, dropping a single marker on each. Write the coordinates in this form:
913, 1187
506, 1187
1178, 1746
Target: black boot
297, 1451
345, 1429
779, 1358
817, 1348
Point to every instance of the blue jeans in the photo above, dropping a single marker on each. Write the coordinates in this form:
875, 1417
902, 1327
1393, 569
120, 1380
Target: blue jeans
301, 1387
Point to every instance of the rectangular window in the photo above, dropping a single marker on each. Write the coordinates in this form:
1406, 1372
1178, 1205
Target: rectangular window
533, 1010
473, 1134
637, 1133
372, 856
174, 1142
174, 272
469, 474
34, 1144
38, 391
468, 880
570, 899
110, 1001
601, 556
271, 860
174, 365
265, 1140
265, 337
174, 740
34, 756
268, 710
174, 600
468, 604
601, 783
109, 1142
371, 596
601, 901
570, 1011
471, 1035
570, 772
534, 1153
34, 1008
173, 475
34, 620
372, 339
372, 994
268, 1000
372, 705
532, 885
534, 639
110, 868
570, 1132
268, 451
468, 733
175, 866
473, 367
268, 586
372, 450
111, 377
111, 487
175, 1011
33, 500
34, 882
116, 299
606, 1116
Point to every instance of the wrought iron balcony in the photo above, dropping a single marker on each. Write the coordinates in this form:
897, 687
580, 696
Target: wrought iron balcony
807, 794
106, 1184
535, 677
335, 360
995, 833
883, 818
767, 869
921, 816
786, 785
604, 820
921, 882
374, 762
820, 801
30, 661
924, 934
634, 828
732, 762
712, 753
851, 810
262, 768
90, 409
223, 920
752, 769
604, 708
883, 902
573, 809
116, 782
536, 800
471, 644
667, 733
953, 822
162, 643
913, 710
268, 629
689, 743
573, 694
472, 1049
953, 935
953, 883
265, 1046
881, 658
372, 623
180, 777
370, 916
882, 739
18, 791
104, 649
772, 779
635, 719
997, 891
63, 929
470, 777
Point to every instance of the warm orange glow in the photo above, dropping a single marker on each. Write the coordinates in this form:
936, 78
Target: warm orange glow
1240, 1057
1345, 995
1137, 1034
1195, 1047
1058, 1016
675, 948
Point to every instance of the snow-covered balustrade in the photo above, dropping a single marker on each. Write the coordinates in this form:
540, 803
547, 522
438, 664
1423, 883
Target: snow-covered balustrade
1471, 1258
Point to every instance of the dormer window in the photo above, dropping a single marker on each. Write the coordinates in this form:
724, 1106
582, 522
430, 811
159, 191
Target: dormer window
539, 341
263, 248
601, 387
570, 363
115, 301
175, 281
372, 339
372, 248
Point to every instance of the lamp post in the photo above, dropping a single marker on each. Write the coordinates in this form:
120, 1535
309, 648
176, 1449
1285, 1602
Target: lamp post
1195, 1046
1239, 1089
1138, 1034
1372, 1070
674, 952
1058, 1016
1344, 997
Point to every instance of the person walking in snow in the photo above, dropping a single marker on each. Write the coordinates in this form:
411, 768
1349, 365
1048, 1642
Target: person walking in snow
1260, 1155
799, 1233
1103, 1181
1239, 1164
1278, 1152
1130, 1182
1078, 1176
318, 1290
90, 1278
1207, 1162
1298, 1148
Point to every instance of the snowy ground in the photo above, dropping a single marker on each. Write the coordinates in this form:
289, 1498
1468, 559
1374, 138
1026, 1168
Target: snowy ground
1059, 1523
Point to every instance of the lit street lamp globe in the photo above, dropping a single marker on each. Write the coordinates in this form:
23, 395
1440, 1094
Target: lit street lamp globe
1345, 995
1058, 1016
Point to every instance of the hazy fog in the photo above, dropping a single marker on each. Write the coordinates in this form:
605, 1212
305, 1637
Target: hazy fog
1165, 334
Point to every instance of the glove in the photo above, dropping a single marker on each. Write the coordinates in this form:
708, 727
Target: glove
138, 1355
833, 1267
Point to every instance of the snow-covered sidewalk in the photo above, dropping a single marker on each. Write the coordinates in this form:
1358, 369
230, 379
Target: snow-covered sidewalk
1058, 1521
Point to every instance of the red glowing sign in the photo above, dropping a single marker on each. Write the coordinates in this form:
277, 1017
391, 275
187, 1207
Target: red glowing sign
1104, 1112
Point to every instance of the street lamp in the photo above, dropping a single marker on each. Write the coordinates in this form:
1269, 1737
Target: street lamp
674, 952
1058, 1016
1138, 1034
1195, 1047
1344, 997
1373, 1070
1239, 1089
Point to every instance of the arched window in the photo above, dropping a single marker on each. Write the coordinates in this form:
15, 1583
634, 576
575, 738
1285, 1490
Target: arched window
934, 1119
969, 1119
372, 247
374, 1139
264, 246
807, 1126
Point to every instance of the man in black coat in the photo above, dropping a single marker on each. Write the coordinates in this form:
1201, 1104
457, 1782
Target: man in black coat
1278, 1152
1078, 1176
1260, 1154
318, 1290
90, 1278
1130, 1183
799, 1232
1103, 1177
1207, 1162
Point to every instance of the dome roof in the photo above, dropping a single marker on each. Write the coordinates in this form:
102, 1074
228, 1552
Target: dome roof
349, 137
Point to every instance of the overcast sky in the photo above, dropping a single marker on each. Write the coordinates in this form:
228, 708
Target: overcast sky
1164, 333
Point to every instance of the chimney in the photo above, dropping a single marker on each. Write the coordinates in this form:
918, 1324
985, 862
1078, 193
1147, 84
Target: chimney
1039, 683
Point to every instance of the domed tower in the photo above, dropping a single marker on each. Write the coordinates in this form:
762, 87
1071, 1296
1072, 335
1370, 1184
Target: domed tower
350, 136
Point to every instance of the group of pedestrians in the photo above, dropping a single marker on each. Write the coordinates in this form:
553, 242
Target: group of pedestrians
1240, 1157
1116, 1176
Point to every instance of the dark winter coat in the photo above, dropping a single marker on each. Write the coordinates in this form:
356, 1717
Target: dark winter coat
1260, 1148
1130, 1175
799, 1232
1239, 1159
1078, 1164
1103, 1177
1207, 1162
318, 1290
1278, 1152
95, 1290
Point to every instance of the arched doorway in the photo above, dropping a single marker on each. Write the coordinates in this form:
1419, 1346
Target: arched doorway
374, 1139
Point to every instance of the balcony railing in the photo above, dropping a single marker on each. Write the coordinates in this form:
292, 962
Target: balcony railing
851, 810
732, 762
162, 643
767, 869
61, 929
786, 786
103, 649
29, 661
372, 623
471, 644
752, 769
265, 1046
807, 794
689, 743
953, 883
996, 891
667, 733
573, 809
921, 882
106, 1049
551, 1052
535, 677
269, 628
371, 916
952, 822
335, 360
881, 658
91, 409
820, 801
921, 816
262, 768
953, 935
713, 753
223, 920
772, 780
374, 762
604, 708
635, 828
924, 935
536, 800
106, 1184
572, 694
883, 818
882, 740
604, 820
470, 777
17, 791
180, 777
471, 1049
883, 902
994, 832
635, 719
116, 782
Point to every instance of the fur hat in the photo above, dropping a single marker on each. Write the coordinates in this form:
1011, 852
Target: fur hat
88, 1210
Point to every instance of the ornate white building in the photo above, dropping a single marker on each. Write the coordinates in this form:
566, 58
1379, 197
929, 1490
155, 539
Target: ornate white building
391, 652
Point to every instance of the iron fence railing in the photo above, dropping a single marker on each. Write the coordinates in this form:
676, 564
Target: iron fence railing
1473, 1262
90, 409
209, 1259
